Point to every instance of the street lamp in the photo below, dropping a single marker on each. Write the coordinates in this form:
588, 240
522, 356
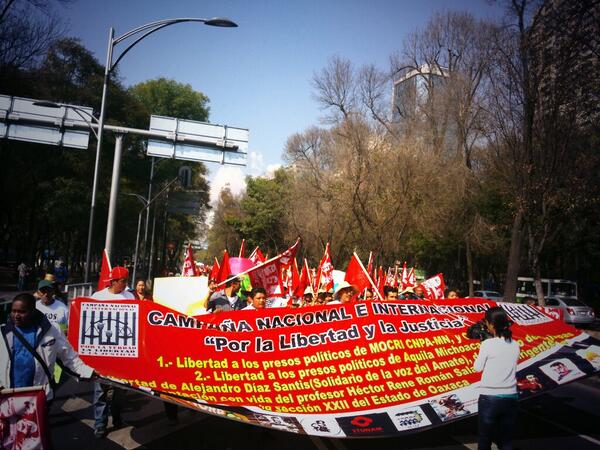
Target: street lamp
146, 204
144, 30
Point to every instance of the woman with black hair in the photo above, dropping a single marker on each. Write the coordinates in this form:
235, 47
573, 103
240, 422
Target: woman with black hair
498, 357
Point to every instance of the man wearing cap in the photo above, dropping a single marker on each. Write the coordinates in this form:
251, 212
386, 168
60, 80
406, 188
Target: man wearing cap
118, 286
226, 299
343, 293
55, 311
106, 397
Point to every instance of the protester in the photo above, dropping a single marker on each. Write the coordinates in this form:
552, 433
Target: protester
497, 359
452, 295
30, 346
61, 274
23, 270
531, 301
368, 294
257, 299
55, 311
420, 292
141, 292
107, 397
390, 293
343, 294
408, 294
226, 299
307, 299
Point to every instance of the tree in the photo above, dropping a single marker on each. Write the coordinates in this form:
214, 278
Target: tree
165, 97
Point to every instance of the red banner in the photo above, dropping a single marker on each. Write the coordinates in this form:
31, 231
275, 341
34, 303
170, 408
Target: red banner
359, 369
23, 419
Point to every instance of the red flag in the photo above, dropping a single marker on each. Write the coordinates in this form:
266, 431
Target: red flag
356, 274
242, 248
189, 265
295, 278
395, 279
268, 276
257, 257
434, 287
324, 279
23, 418
412, 279
214, 273
290, 254
389, 280
303, 281
404, 281
105, 268
380, 282
224, 268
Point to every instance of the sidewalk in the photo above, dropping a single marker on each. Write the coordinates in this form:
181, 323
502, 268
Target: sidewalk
144, 420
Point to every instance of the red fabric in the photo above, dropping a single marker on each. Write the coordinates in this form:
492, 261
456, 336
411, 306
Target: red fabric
303, 281
105, 269
214, 273
412, 279
434, 287
404, 278
224, 268
268, 276
285, 261
24, 420
324, 279
257, 257
189, 265
356, 274
380, 281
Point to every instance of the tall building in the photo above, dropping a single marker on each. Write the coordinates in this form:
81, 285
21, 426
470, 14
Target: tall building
413, 90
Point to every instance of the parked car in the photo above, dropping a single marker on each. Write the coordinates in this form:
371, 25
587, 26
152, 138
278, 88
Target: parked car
490, 295
575, 312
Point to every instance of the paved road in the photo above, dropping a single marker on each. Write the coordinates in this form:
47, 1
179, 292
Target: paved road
566, 418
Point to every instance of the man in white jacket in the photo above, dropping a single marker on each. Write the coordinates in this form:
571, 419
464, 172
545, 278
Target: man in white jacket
27, 330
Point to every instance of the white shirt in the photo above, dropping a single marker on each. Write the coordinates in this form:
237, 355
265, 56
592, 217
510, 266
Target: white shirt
57, 313
498, 361
104, 294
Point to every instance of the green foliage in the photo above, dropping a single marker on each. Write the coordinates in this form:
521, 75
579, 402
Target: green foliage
166, 97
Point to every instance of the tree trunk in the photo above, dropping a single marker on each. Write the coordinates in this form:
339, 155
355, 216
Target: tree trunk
514, 259
469, 257
539, 290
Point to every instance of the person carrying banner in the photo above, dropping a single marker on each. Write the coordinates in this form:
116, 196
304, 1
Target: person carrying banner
226, 299
30, 346
497, 359
257, 299
140, 291
107, 397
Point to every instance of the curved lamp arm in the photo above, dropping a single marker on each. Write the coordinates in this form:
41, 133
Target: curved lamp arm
151, 27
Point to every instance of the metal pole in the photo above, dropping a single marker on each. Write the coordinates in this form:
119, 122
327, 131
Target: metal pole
107, 69
147, 224
114, 193
151, 260
137, 241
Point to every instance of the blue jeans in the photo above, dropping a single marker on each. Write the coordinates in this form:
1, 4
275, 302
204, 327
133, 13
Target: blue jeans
106, 400
497, 417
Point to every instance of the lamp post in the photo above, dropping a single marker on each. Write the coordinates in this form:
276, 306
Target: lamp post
137, 34
146, 204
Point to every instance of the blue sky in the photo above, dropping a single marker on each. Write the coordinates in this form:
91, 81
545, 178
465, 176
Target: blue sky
257, 76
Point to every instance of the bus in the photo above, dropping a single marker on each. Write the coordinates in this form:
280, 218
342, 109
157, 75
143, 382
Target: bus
551, 287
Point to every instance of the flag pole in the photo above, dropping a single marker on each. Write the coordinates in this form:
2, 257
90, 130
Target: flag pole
369, 277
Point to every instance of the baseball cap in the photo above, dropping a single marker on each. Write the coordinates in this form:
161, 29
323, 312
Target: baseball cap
45, 283
118, 272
